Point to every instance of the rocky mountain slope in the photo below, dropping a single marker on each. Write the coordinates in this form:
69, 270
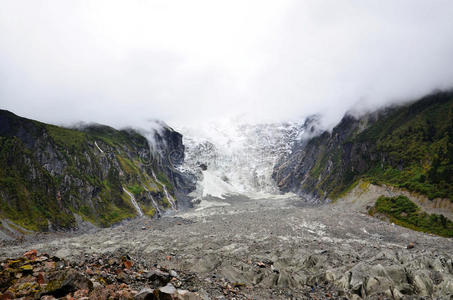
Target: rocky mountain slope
409, 147
54, 178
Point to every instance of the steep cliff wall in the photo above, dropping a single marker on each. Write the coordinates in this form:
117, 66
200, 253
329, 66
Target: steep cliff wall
410, 147
50, 175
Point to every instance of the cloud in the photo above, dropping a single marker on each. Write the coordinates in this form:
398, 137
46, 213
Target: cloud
191, 62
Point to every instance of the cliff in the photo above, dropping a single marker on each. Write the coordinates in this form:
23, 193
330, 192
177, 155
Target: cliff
408, 147
52, 177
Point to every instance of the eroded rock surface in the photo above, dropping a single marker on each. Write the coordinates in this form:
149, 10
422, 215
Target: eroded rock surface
274, 248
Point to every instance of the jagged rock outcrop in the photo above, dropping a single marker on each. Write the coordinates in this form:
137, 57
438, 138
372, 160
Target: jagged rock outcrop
409, 146
52, 177
170, 154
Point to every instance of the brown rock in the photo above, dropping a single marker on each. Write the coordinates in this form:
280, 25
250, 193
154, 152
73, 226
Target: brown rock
80, 294
40, 278
7, 296
124, 294
128, 264
49, 265
411, 245
103, 293
123, 286
31, 255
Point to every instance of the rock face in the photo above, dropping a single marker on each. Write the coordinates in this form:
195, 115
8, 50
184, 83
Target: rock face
407, 146
55, 178
170, 152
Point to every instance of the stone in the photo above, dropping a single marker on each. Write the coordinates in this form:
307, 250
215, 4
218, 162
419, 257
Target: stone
411, 245
168, 289
31, 255
67, 282
123, 277
128, 264
205, 264
8, 295
167, 292
158, 277
378, 284
81, 293
423, 283
40, 278
274, 269
145, 294
187, 295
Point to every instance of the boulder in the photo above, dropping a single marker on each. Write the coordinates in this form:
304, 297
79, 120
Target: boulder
423, 283
145, 294
67, 282
158, 278
167, 292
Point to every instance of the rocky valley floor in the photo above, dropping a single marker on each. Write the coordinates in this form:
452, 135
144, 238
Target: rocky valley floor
242, 248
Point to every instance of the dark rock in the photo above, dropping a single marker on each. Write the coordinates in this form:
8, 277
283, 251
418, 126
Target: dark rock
158, 278
7, 296
145, 294
167, 292
411, 246
67, 282
123, 277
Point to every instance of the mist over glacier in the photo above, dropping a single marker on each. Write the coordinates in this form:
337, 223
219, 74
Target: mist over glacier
121, 63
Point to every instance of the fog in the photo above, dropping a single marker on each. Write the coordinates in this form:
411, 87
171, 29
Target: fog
122, 63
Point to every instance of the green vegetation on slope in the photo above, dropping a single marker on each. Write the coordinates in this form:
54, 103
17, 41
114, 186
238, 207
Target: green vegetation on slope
48, 173
417, 141
401, 211
28, 201
408, 146
136, 189
70, 139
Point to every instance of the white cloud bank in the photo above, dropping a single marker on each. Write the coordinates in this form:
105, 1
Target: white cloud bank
189, 62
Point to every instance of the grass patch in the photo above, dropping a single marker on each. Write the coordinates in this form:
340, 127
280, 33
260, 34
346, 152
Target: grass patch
127, 165
68, 138
403, 212
151, 212
136, 189
114, 215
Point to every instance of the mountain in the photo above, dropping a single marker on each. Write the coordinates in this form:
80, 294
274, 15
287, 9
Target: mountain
408, 147
54, 178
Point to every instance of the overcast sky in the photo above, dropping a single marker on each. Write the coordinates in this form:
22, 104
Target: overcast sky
188, 62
